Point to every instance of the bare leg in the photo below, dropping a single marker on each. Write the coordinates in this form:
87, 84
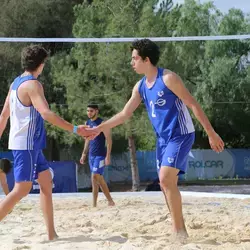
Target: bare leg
45, 182
95, 188
105, 190
20, 190
168, 181
166, 199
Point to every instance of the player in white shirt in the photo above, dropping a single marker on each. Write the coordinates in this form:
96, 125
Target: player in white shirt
27, 108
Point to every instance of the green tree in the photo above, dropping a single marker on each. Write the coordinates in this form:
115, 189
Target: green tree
49, 18
224, 89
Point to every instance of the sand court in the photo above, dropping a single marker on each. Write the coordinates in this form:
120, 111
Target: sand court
138, 221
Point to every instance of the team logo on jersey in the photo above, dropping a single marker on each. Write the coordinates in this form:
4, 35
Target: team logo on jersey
170, 159
160, 93
160, 102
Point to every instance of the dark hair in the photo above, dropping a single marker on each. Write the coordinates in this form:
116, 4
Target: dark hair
147, 48
33, 56
93, 106
5, 165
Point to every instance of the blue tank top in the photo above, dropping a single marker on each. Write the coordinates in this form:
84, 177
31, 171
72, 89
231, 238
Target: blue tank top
168, 114
97, 146
27, 130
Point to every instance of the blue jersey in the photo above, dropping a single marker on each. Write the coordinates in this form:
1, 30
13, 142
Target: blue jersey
168, 114
27, 131
97, 146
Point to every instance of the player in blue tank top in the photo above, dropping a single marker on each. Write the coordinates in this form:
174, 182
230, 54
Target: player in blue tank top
99, 156
27, 109
166, 100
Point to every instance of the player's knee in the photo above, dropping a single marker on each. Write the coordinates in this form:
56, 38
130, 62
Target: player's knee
167, 183
168, 178
45, 182
163, 185
46, 189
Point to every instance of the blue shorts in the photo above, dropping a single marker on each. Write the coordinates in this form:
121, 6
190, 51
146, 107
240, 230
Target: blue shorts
28, 164
97, 164
175, 152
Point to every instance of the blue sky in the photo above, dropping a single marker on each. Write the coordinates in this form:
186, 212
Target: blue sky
225, 5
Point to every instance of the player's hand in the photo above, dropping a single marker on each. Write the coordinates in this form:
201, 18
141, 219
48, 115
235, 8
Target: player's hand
216, 142
94, 132
83, 131
83, 159
107, 161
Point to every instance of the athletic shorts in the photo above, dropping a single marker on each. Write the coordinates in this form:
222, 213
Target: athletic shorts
175, 152
28, 164
97, 164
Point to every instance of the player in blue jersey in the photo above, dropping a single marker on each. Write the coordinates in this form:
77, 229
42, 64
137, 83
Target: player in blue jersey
27, 109
99, 156
166, 100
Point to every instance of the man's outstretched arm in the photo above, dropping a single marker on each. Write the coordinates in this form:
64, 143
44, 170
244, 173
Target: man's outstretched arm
39, 101
125, 114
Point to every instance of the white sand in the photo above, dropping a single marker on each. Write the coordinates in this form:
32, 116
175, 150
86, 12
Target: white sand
139, 221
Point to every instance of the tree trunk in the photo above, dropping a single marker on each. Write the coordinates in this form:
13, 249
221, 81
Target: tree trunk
133, 162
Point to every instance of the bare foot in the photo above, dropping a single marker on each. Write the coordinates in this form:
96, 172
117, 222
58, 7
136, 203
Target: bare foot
111, 203
180, 236
54, 237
